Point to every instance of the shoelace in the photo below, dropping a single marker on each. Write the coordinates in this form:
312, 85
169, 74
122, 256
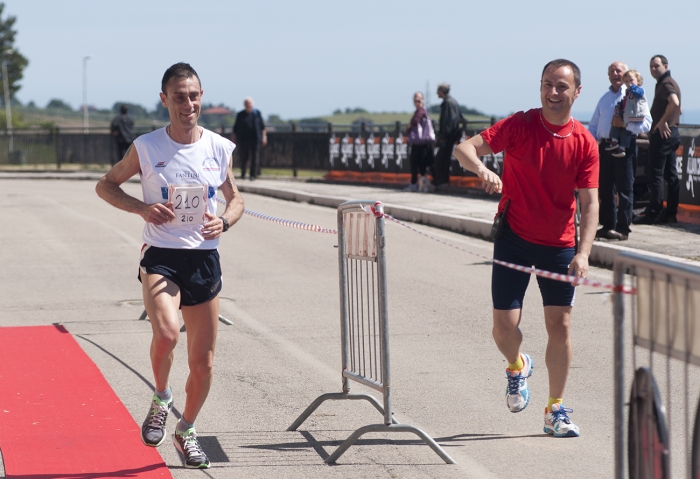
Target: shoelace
191, 445
561, 415
514, 383
158, 416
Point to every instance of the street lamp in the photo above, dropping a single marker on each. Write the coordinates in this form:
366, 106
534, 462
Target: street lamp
6, 85
86, 125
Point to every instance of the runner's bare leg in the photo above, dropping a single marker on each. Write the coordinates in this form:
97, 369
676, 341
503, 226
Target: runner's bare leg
202, 323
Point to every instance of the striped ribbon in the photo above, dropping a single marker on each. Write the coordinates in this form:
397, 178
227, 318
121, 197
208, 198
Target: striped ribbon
283, 222
574, 280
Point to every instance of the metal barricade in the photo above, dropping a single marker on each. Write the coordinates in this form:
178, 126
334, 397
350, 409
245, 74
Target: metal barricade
662, 323
364, 321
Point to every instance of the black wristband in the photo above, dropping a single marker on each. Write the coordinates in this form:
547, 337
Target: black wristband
226, 225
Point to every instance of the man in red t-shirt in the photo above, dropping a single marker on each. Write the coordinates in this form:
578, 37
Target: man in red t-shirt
548, 155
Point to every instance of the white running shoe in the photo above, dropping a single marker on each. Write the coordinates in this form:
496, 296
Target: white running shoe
557, 422
517, 391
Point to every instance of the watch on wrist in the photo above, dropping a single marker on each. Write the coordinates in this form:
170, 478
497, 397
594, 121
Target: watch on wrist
226, 225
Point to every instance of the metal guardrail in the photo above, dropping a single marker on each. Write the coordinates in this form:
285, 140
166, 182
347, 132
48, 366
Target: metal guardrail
663, 319
364, 322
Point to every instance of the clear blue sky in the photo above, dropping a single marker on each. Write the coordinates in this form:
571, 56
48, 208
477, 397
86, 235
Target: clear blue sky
306, 58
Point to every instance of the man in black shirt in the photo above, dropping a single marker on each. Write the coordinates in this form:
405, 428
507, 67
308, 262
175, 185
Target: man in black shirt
248, 134
664, 140
449, 134
122, 129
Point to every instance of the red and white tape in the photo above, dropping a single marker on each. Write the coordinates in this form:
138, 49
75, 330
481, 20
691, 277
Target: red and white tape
283, 222
574, 280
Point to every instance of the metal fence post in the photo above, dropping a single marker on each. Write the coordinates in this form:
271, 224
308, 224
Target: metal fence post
294, 163
57, 146
619, 370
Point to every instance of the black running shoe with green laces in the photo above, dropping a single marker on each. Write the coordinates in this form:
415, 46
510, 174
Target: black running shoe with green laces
153, 428
190, 449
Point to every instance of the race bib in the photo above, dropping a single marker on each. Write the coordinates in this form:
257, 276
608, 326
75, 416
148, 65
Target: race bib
189, 203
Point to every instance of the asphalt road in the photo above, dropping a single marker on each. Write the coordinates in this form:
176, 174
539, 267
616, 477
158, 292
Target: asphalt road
67, 257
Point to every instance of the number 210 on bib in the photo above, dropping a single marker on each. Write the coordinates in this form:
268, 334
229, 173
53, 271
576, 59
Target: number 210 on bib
189, 203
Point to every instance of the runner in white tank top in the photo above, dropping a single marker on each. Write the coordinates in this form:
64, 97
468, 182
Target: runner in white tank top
181, 167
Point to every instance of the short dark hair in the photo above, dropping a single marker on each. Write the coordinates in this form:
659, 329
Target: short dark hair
561, 62
179, 70
444, 87
663, 59
124, 109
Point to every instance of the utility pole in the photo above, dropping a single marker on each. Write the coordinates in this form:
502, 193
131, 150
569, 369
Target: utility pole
6, 87
427, 94
86, 124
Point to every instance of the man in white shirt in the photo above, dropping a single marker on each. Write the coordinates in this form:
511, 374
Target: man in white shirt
181, 166
616, 174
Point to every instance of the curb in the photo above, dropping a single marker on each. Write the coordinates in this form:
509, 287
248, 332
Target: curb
601, 253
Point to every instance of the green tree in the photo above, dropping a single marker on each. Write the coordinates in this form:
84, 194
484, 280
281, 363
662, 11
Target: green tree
16, 62
160, 112
135, 110
56, 104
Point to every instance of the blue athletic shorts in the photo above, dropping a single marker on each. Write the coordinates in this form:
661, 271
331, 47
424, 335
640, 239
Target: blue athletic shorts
197, 272
508, 285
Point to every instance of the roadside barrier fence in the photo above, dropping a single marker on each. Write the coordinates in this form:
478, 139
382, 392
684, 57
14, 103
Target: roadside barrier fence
662, 322
364, 322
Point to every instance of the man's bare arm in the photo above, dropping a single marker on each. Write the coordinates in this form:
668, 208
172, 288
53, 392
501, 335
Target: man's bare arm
588, 198
109, 189
234, 200
468, 153
674, 105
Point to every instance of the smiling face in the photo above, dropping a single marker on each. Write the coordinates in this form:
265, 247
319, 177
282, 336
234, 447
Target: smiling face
183, 101
558, 91
615, 73
630, 79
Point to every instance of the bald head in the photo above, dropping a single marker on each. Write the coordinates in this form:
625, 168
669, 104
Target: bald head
616, 70
248, 104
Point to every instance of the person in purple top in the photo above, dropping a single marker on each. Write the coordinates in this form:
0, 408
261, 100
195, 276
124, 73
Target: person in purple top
421, 146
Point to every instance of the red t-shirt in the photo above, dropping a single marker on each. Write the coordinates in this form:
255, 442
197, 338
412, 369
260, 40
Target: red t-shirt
540, 174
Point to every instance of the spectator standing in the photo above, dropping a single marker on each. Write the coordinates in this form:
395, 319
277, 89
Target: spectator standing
548, 156
450, 132
419, 136
249, 134
616, 174
663, 143
632, 108
122, 129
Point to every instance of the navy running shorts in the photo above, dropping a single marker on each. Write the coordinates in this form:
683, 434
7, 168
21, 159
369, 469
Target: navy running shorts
197, 272
508, 285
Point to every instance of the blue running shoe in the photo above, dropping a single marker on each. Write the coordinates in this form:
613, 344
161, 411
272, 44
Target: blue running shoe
517, 391
557, 422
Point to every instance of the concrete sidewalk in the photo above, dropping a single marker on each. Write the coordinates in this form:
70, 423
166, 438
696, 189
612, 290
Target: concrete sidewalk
458, 211
472, 214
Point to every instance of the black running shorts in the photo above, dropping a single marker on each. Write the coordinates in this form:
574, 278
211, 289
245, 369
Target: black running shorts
197, 272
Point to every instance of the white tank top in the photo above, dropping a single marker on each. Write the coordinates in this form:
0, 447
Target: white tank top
188, 175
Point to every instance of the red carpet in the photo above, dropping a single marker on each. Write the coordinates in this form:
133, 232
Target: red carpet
59, 418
